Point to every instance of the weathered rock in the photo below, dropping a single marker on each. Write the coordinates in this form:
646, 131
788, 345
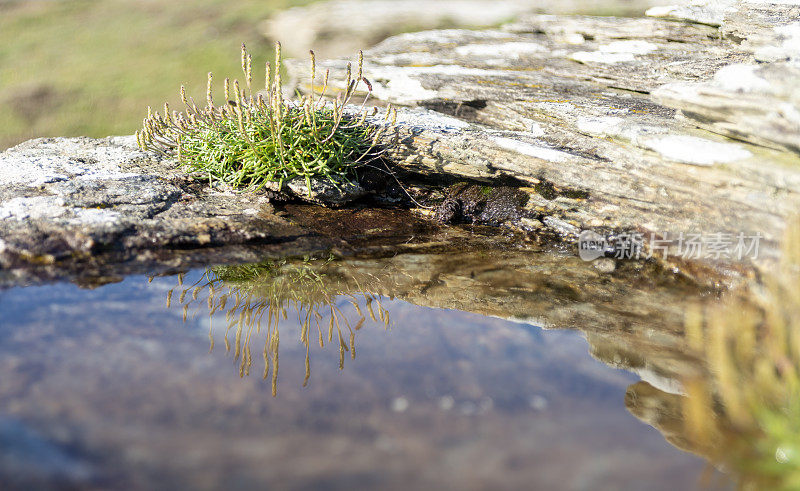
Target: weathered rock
342, 27
770, 31
74, 197
755, 103
565, 103
326, 192
711, 12
759, 103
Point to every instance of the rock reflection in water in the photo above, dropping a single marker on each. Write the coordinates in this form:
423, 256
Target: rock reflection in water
631, 320
443, 399
618, 312
255, 298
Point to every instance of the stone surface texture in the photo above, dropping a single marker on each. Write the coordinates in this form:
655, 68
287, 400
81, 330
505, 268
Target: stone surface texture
66, 198
324, 192
659, 126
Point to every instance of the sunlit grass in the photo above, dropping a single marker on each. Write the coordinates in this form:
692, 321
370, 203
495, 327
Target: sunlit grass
253, 138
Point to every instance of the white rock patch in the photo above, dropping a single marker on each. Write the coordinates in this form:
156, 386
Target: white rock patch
540, 152
740, 78
90, 216
601, 57
710, 12
603, 126
534, 128
635, 46
431, 119
660, 382
787, 38
615, 52
32, 208
617, 127
696, 151
404, 87
504, 51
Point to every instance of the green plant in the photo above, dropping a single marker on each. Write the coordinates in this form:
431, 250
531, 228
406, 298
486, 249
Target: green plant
257, 138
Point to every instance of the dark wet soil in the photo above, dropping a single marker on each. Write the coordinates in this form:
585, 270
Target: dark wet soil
473, 203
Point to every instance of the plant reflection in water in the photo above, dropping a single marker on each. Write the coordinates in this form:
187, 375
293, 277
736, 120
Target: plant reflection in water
256, 298
744, 411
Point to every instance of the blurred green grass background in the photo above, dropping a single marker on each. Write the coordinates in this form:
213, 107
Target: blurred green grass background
91, 67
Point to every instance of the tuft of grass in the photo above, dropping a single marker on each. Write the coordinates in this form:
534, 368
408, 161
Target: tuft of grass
254, 139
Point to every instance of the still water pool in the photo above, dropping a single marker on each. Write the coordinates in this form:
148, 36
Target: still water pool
112, 388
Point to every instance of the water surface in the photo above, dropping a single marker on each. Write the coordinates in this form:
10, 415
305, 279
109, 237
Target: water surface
110, 388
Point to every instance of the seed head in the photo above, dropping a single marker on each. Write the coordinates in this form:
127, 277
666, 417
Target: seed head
238, 92
249, 72
313, 67
209, 95
244, 59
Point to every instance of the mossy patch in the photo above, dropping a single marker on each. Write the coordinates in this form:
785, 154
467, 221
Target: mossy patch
254, 139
